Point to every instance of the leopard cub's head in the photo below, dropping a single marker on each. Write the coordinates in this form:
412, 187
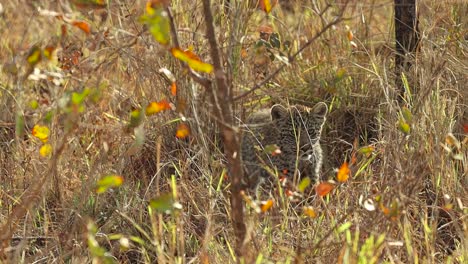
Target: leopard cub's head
300, 123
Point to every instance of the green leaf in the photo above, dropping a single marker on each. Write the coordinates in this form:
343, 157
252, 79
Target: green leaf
344, 227
304, 184
406, 113
34, 104
157, 21
19, 125
78, 98
403, 126
136, 117
163, 203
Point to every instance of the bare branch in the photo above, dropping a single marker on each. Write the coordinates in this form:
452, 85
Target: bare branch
293, 56
230, 136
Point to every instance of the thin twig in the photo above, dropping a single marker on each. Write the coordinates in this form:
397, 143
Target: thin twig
195, 76
293, 56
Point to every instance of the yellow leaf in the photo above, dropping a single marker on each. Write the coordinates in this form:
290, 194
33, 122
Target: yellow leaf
182, 131
41, 132
366, 150
343, 173
34, 56
404, 126
310, 212
192, 61
267, 205
324, 188
109, 181
45, 150
136, 117
156, 107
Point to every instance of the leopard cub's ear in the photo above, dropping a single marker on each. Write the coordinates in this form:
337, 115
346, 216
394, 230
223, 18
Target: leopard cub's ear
320, 110
278, 111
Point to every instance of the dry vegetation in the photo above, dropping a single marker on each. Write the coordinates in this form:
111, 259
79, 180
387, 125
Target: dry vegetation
416, 179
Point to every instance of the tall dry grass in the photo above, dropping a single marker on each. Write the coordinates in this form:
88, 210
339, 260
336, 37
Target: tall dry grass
416, 180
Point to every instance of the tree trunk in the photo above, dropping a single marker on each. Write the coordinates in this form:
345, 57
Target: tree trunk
406, 41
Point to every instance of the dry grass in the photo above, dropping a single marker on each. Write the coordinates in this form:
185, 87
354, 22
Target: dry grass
417, 185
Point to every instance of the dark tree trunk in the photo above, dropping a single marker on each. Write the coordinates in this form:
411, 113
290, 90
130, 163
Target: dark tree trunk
406, 41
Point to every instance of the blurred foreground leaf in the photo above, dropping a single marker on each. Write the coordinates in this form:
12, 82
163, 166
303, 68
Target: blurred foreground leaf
109, 181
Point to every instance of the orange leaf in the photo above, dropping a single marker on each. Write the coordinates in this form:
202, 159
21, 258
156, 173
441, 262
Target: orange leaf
350, 35
156, 107
174, 89
95, 4
192, 60
157, 4
267, 5
343, 173
310, 212
244, 53
324, 188
49, 51
465, 128
267, 205
182, 131
82, 25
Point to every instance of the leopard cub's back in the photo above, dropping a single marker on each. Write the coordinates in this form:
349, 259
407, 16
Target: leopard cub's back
295, 130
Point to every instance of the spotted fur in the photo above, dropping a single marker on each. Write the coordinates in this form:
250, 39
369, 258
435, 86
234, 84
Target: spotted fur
295, 131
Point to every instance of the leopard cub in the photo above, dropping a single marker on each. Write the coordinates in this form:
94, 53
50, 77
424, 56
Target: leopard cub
296, 131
